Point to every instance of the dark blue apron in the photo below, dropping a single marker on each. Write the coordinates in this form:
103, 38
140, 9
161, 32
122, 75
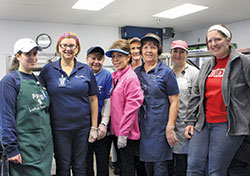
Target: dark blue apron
153, 119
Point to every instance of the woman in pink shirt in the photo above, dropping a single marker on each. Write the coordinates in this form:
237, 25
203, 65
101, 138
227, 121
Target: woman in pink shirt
126, 99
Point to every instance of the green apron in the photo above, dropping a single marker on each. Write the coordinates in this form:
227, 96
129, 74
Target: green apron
33, 130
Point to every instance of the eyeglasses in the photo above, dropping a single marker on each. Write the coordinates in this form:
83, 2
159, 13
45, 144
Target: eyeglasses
65, 46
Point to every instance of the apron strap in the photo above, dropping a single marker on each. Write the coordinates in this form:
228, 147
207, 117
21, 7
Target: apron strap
19, 74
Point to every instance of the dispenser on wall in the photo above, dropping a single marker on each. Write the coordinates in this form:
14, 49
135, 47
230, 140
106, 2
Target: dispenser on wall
168, 33
128, 32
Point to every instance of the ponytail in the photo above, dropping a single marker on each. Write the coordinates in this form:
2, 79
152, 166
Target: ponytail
14, 64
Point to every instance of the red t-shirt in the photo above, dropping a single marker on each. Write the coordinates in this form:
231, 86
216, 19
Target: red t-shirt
215, 107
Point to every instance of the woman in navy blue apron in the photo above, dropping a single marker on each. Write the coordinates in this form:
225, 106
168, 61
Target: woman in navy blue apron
159, 111
25, 128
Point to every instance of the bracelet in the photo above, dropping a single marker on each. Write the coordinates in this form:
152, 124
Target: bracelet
170, 127
93, 127
103, 124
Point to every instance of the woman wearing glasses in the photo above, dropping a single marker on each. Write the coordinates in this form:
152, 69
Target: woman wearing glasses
74, 108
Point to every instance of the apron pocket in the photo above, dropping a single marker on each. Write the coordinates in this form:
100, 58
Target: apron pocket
30, 146
153, 126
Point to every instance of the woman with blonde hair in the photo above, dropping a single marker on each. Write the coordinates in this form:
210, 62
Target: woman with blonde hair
136, 58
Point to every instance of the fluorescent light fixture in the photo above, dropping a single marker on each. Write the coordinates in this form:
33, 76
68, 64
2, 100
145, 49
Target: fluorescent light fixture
94, 5
181, 10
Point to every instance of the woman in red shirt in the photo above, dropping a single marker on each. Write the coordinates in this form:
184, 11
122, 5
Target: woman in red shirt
217, 119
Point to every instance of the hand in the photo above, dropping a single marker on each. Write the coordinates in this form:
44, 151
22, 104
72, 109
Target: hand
92, 134
16, 159
102, 131
189, 131
171, 136
122, 142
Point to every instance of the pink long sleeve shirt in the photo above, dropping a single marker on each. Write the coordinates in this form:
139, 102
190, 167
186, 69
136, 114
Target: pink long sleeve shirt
126, 99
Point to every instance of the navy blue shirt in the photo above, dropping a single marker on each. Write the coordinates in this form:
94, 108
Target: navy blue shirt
166, 79
9, 89
158, 84
70, 106
104, 81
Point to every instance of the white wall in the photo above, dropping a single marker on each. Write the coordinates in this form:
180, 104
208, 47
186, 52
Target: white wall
240, 32
104, 36
167, 42
89, 35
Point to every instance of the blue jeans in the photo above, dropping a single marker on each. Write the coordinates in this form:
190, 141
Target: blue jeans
159, 168
70, 149
213, 149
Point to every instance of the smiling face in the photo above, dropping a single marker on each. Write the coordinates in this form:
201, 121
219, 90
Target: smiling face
68, 48
120, 60
95, 60
179, 56
27, 61
135, 50
218, 44
150, 52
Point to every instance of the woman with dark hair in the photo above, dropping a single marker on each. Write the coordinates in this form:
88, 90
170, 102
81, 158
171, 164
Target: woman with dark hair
74, 108
186, 75
126, 99
219, 108
25, 122
160, 108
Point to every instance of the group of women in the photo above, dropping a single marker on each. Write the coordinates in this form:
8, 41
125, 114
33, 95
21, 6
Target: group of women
149, 106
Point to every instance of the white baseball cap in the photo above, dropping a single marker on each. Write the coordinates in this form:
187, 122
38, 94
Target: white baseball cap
25, 45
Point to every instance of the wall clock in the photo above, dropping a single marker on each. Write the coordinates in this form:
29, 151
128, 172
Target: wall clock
43, 40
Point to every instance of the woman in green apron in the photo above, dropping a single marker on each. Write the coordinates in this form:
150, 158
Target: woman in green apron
25, 128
